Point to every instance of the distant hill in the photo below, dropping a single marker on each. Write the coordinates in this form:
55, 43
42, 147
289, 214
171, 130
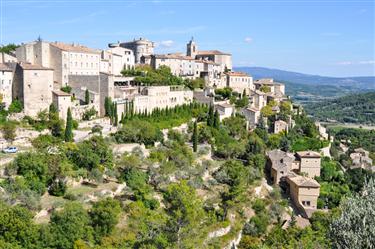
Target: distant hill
306, 88
354, 108
366, 82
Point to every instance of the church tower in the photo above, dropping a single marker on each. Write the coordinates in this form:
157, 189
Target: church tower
192, 48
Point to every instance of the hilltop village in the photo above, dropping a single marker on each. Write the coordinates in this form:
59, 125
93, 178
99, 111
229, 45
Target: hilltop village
160, 151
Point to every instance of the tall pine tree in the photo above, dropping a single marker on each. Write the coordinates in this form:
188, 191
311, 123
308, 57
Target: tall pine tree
69, 127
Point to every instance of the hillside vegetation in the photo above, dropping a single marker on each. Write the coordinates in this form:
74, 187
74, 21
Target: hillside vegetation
356, 108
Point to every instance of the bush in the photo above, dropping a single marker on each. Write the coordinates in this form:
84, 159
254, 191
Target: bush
57, 188
15, 107
259, 206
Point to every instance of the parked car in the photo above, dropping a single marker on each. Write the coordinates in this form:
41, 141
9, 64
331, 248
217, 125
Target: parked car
11, 149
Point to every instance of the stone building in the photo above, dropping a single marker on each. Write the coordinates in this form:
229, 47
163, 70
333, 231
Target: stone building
221, 58
304, 192
140, 47
252, 115
361, 159
62, 102
280, 126
153, 97
65, 59
279, 164
239, 81
225, 110
6, 79
309, 163
115, 59
33, 85
7, 58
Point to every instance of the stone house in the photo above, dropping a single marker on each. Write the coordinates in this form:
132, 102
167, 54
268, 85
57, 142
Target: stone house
6, 81
225, 110
62, 102
280, 126
309, 163
239, 82
304, 192
279, 164
33, 85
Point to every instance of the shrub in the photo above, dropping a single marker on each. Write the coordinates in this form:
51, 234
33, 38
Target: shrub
15, 107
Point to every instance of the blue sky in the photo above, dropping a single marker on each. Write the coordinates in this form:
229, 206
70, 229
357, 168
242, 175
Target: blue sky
331, 37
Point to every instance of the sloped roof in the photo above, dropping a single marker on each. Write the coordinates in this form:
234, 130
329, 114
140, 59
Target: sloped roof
28, 66
241, 74
303, 181
309, 153
74, 48
212, 52
280, 159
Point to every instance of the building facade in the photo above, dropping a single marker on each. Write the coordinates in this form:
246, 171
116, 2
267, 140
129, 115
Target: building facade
33, 85
140, 47
6, 80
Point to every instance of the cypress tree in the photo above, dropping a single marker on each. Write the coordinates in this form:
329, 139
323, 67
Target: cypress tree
122, 118
244, 93
211, 117
195, 137
87, 97
115, 116
69, 127
216, 123
106, 106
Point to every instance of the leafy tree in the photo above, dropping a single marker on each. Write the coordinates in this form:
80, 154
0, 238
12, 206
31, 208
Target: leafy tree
17, 227
69, 127
355, 227
185, 214
66, 88
104, 216
265, 89
70, 224
266, 111
89, 113
8, 48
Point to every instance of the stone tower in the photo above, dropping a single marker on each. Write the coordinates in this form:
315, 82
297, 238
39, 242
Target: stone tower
192, 48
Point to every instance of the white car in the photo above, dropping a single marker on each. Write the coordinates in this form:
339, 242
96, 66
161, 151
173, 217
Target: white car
11, 149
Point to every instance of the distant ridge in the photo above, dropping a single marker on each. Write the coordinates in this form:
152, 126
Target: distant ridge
364, 83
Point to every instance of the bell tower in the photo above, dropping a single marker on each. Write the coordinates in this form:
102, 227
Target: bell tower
192, 48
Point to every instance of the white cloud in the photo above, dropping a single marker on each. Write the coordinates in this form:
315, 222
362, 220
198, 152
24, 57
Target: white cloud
248, 39
367, 62
165, 44
344, 63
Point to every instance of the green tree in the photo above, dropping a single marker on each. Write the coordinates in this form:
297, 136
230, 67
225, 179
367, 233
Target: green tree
69, 127
195, 137
354, 228
210, 116
70, 224
104, 216
216, 122
17, 227
87, 97
185, 213
9, 131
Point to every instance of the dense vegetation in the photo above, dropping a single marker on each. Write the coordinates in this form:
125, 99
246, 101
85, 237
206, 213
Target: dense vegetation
357, 108
147, 76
